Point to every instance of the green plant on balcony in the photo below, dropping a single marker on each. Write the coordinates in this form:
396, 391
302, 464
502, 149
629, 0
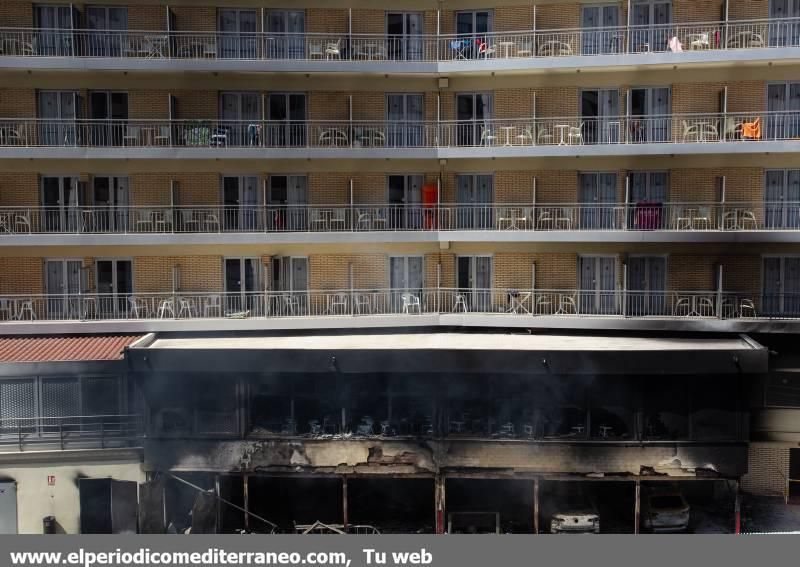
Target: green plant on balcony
198, 133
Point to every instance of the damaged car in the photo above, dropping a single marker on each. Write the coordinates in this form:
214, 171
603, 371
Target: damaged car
665, 511
576, 514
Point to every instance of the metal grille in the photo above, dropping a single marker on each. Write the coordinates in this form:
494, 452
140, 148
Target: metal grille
60, 397
17, 399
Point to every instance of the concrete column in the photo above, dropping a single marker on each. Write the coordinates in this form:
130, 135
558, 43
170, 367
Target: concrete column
536, 505
345, 513
737, 509
638, 506
439, 504
246, 500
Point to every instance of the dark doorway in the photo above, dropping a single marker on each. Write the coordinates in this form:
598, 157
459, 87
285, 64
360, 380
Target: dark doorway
392, 505
794, 476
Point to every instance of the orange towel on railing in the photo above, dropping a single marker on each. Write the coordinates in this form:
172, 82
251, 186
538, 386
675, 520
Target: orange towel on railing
752, 130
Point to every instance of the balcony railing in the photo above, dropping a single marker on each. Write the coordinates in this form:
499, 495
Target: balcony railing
67, 432
371, 135
268, 46
165, 219
330, 303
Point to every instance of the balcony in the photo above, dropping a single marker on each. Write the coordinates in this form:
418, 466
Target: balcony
713, 133
643, 221
71, 432
525, 306
534, 49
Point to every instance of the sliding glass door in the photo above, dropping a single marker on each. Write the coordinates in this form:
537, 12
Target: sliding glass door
474, 199
60, 204
474, 281
597, 279
286, 34
107, 25
404, 36
238, 39
114, 287
600, 30
405, 116
598, 195
647, 282
243, 285
782, 199
110, 198
286, 115
600, 111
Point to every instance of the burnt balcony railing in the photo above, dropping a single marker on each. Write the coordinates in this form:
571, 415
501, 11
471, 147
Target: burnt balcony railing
68, 432
269, 46
375, 135
611, 216
185, 305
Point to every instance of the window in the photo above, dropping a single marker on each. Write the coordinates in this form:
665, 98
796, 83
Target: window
646, 285
114, 287
404, 198
473, 27
405, 115
243, 285
238, 34
286, 30
650, 19
595, 190
240, 199
784, 30
60, 199
55, 25
474, 282
474, 195
600, 111
653, 105
405, 276
64, 284
106, 22
600, 30
109, 113
783, 104
58, 111
110, 198
473, 112
781, 286
288, 200
404, 36
647, 192
240, 113
598, 284
782, 199
286, 113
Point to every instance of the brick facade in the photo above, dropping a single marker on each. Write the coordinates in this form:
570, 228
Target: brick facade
767, 469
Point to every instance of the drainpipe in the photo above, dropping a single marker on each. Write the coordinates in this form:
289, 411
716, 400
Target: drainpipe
627, 199
719, 292
625, 290
352, 218
533, 276
737, 510
721, 219
345, 514
637, 507
536, 505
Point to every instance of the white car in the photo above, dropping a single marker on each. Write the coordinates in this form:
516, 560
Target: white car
577, 515
665, 512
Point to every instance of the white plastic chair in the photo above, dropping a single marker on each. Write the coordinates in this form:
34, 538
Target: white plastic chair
211, 304
410, 302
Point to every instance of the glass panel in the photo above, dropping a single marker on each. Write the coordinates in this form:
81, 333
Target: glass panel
771, 303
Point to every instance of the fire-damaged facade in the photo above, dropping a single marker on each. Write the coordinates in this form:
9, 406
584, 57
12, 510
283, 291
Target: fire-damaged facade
471, 432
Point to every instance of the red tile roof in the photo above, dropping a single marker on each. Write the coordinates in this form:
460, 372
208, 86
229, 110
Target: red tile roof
64, 348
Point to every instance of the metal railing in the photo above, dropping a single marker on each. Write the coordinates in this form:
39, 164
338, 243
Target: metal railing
370, 135
379, 217
269, 46
187, 305
69, 431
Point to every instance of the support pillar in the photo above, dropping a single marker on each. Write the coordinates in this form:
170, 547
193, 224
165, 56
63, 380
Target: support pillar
246, 500
638, 506
345, 513
439, 504
737, 509
217, 506
536, 505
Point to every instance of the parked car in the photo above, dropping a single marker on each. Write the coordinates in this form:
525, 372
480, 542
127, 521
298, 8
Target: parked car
575, 514
665, 511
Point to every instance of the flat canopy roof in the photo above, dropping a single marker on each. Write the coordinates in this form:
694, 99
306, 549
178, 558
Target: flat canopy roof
457, 341
463, 353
